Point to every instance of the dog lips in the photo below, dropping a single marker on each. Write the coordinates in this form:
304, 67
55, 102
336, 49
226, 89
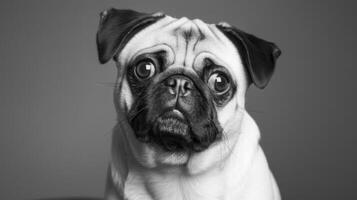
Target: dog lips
172, 132
172, 126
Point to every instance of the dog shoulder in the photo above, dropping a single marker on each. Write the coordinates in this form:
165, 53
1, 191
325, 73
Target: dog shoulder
259, 182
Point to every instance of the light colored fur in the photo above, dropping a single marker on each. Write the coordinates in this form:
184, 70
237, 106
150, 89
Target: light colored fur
234, 167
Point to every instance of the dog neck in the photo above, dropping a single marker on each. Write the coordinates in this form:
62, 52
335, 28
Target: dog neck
129, 180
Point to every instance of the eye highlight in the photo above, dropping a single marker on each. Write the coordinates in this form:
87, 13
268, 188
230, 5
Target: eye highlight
219, 83
145, 69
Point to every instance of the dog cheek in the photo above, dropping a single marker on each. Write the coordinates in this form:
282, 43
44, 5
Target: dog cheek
205, 135
227, 113
156, 102
126, 97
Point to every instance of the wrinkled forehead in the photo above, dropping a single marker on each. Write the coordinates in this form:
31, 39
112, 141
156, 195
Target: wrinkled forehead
183, 39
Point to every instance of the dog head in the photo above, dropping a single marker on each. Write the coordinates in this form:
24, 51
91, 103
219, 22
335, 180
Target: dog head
181, 83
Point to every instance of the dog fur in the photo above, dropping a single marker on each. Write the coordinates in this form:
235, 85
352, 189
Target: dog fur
233, 167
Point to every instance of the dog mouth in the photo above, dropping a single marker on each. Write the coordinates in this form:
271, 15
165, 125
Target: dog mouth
172, 132
175, 131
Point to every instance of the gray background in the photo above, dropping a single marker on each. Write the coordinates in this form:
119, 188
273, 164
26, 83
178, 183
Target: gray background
57, 111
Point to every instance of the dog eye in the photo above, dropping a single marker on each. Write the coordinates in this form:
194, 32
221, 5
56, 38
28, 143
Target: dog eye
145, 69
219, 83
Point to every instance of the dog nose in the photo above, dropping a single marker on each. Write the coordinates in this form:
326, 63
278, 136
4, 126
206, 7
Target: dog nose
179, 85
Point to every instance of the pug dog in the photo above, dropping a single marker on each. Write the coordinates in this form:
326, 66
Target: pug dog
182, 130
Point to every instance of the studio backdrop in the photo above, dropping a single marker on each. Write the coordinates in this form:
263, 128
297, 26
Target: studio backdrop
57, 110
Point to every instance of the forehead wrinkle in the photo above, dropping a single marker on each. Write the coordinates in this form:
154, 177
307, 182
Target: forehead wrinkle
207, 30
188, 30
200, 38
154, 49
214, 32
175, 23
202, 55
187, 34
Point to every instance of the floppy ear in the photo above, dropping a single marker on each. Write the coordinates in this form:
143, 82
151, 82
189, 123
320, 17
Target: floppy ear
258, 56
117, 27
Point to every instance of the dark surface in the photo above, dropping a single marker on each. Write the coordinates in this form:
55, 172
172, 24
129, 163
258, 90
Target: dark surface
56, 103
258, 56
117, 27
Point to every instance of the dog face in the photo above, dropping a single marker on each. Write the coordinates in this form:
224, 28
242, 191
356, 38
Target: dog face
181, 83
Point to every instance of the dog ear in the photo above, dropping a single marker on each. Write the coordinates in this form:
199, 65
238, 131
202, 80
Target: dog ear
258, 56
117, 27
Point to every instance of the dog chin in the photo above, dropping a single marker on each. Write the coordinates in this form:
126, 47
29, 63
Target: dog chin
171, 132
169, 140
168, 158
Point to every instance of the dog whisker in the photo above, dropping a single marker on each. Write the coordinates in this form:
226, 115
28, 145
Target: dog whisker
256, 111
107, 84
134, 115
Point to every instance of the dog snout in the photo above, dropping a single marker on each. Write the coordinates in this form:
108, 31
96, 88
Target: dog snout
179, 85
